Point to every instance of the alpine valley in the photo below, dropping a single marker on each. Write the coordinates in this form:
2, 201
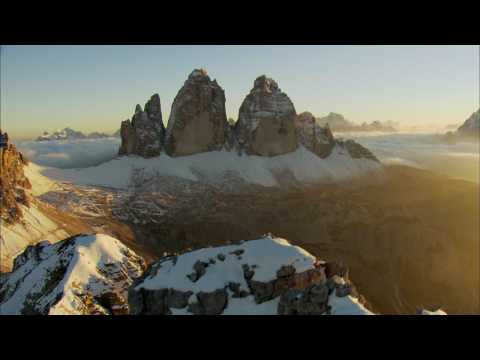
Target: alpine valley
268, 214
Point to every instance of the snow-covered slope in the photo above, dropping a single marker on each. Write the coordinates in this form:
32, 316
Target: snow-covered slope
36, 224
213, 166
86, 274
263, 277
40, 184
34, 227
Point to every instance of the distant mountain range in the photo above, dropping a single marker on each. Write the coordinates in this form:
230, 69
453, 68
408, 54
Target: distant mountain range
70, 134
338, 123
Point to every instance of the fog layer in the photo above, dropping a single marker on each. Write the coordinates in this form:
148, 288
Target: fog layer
70, 153
423, 150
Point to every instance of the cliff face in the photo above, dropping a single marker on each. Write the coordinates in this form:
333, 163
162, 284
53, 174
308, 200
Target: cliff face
314, 137
266, 121
13, 182
198, 119
144, 134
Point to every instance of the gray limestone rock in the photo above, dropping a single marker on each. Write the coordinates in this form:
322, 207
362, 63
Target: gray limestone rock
266, 122
198, 119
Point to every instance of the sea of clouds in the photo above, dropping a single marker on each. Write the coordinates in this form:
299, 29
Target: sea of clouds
70, 153
423, 150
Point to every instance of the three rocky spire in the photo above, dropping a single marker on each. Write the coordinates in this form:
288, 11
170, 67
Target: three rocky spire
267, 124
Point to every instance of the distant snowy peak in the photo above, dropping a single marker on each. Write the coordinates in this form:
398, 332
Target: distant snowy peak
85, 274
70, 134
266, 276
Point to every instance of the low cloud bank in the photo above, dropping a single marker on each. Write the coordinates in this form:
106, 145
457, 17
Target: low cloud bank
428, 151
420, 150
70, 153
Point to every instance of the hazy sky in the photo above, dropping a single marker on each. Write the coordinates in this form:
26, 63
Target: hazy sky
93, 88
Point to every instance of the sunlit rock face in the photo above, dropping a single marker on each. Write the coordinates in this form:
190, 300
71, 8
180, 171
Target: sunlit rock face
13, 182
266, 122
314, 137
144, 134
198, 120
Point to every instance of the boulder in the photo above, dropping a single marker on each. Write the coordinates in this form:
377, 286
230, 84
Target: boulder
266, 122
312, 300
210, 303
198, 120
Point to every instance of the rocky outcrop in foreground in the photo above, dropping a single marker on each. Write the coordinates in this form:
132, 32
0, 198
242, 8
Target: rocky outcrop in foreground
198, 119
81, 275
265, 277
13, 182
144, 134
98, 275
266, 121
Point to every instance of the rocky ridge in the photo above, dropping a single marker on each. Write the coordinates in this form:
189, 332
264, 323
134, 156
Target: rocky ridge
266, 276
97, 275
84, 274
144, 134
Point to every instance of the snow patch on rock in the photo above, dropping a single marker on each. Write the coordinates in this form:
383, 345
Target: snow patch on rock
304, 165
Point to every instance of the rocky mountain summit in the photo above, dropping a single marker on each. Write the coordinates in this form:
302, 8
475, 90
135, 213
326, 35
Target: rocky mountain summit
266, 121
144, 134
98, 275
267, 125
266, 276
84, 274
198, 119
13, 182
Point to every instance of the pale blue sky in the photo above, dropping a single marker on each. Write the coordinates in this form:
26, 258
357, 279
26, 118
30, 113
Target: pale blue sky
95, 87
